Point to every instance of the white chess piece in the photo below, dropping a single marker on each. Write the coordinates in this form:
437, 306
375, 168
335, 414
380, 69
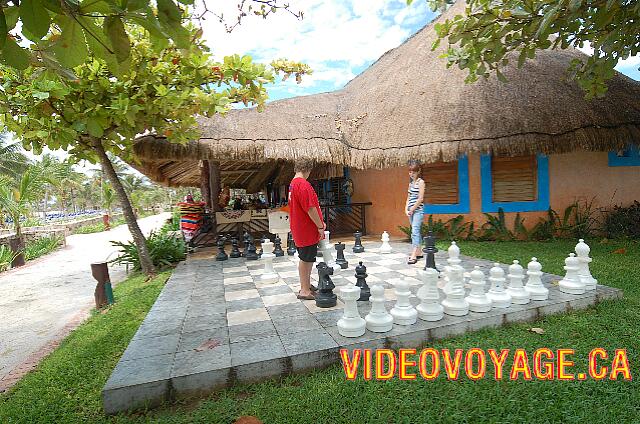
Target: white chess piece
429, 308
499, 297
351, 324
327, 255
378, 319
385, 247
453, 259
477, 299
582, 250
269, 275
571, 283
534, 286
403, 312
455, 303
519, 296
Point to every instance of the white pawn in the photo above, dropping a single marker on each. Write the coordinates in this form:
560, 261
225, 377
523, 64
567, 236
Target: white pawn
582, 250
378, 319
327, 257
499, 297
429, 308
477, 299
571, 283
269, 275
403, 312
534, 286
455, 303
351, 324
454, 259
519, 295
386, 247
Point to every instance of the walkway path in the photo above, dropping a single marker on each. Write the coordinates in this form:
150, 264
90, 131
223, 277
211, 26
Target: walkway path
52, 295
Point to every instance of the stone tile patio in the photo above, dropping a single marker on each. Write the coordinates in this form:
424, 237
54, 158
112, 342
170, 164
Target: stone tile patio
215, 323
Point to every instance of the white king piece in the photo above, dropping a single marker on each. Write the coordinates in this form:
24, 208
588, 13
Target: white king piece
268, 275
582, 250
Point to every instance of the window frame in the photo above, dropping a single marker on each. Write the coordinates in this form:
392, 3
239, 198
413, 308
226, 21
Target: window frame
463, 205
542, 199
632, 160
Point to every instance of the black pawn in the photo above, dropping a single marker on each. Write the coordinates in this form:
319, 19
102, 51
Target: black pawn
250, 251
358, 247
361, 281
340, 260
222, 255
277, 246
325, 297
430, 251
291, 245
235, 252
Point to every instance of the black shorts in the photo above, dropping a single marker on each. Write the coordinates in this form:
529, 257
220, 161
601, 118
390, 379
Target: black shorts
308, 253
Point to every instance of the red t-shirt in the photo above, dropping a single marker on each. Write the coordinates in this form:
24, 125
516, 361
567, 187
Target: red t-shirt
302, 197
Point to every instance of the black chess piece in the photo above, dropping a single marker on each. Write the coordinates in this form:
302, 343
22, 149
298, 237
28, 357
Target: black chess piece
358, 247
325, 297
430, 251
277, 246
250, 251
291, 245
361, 275
222, 255
235, 252
340, 260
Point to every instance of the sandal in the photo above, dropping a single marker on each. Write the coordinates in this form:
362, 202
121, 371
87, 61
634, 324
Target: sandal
313, 288
412, 261
419, 257
308, 297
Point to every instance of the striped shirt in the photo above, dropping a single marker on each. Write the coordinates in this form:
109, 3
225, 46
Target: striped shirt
414, 192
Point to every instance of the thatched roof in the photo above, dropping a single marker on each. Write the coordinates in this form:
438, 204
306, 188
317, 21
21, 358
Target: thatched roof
408, 105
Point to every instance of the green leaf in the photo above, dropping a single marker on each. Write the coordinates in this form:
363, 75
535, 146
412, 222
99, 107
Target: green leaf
100, 6
169, 12
114, 29
71, 47
40, 95
11, 15
501, 76
188, 2
3, 29
52, 5
549, 17
14, 55
133, 5
35, 18
94, 128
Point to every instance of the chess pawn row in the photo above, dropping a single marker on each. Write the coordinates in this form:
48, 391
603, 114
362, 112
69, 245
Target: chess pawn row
351, 324
537, 290
478, 300
403, 312
453, 259
582, 251
378, 319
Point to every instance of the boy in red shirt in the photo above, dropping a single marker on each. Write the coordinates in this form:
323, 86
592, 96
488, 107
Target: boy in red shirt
307, 227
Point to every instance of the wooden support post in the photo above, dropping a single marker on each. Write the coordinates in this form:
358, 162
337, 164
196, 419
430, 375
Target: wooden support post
204, 184
214, 189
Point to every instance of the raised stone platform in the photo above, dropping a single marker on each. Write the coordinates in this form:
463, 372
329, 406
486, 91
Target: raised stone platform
214, 324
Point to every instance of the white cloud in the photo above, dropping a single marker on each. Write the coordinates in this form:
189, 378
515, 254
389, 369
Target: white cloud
334, 38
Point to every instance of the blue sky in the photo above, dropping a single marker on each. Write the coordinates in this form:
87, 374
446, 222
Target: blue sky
338, 38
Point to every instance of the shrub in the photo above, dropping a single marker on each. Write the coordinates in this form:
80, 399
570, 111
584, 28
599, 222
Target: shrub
623, 222
165, 251
42, 246
6, 257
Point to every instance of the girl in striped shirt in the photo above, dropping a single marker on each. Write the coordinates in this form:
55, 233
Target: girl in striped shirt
414, 209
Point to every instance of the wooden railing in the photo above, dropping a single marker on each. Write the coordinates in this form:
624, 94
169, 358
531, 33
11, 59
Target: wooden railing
346, 218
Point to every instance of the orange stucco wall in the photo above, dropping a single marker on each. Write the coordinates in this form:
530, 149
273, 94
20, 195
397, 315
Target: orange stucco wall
572, 176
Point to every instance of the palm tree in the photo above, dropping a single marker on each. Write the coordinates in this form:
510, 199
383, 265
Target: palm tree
16, 200
13, 161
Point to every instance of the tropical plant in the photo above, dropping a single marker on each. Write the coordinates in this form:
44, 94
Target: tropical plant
108, 197
103, 111
42, 246
623, 222
165, 250
13, 161
16, 200
6, 257
489, 34
496, 227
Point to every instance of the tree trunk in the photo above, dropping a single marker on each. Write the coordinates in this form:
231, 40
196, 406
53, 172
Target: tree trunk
127, 211
205, 189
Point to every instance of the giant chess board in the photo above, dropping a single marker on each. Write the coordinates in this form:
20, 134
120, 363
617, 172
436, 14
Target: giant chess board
216, 323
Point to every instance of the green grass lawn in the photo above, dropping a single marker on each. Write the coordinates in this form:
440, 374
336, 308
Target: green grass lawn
66, 387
